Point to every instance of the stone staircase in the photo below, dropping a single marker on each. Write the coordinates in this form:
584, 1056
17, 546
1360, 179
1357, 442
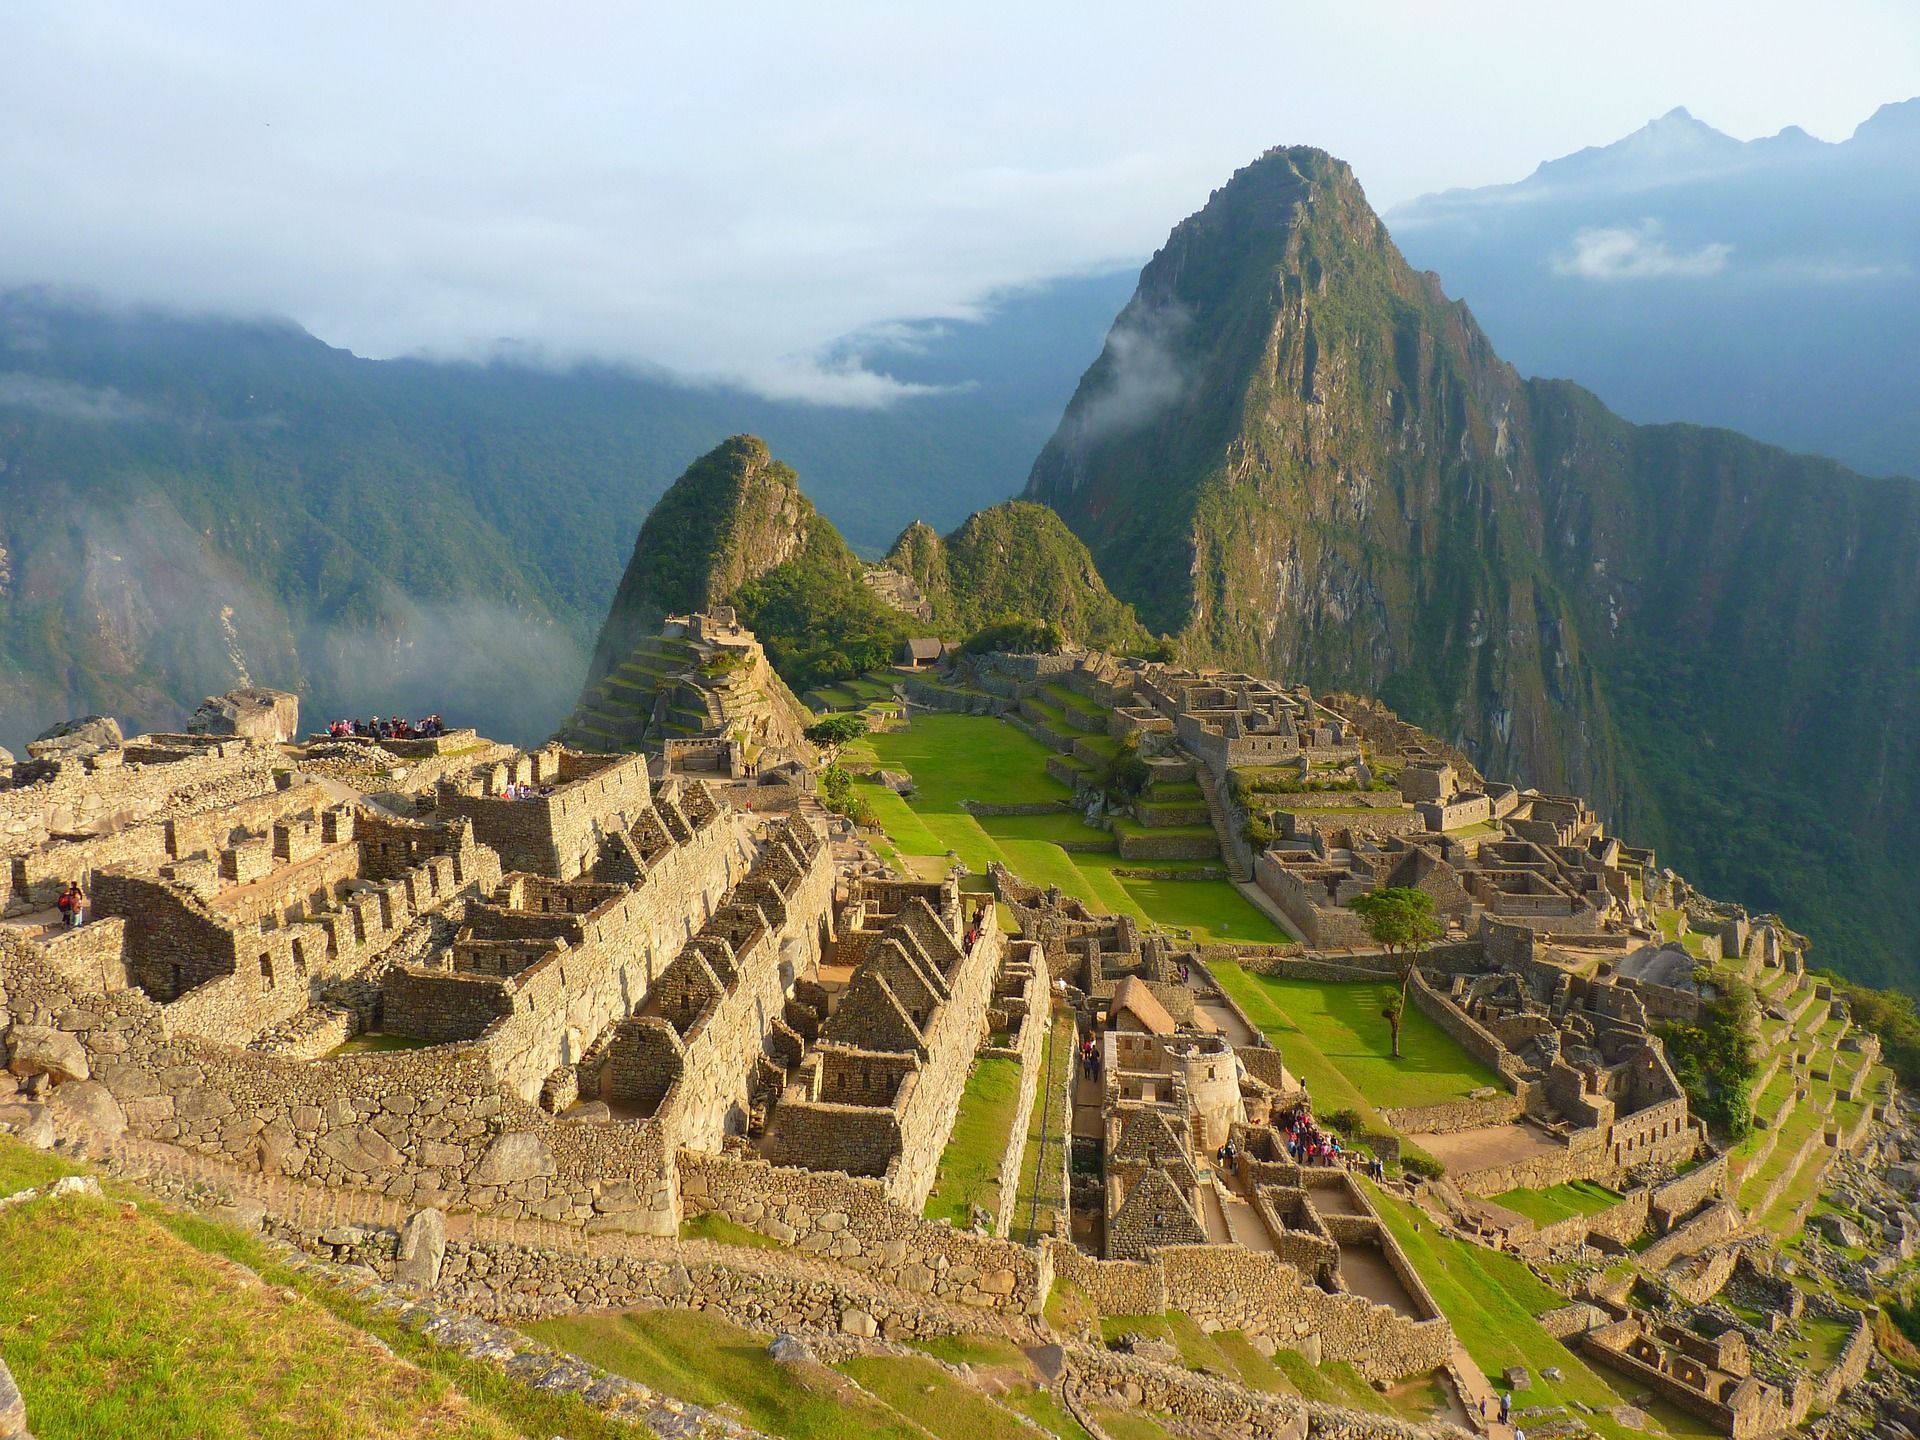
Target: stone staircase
1233, 849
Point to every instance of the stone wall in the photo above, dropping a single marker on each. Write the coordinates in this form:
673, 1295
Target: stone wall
1452, 1115
1717, 1222
852, 1220
1031, 1050
1679, 1197
1158, 845
1227, 1287
558, 833
127, 786
1132, 1384
229, 979
1619, 1223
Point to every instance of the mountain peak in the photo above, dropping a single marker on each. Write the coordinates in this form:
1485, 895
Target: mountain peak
733, 515
1896, 120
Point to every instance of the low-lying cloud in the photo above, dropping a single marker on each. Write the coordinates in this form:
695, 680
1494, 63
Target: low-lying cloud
1141, 372
65, 400
1637, 252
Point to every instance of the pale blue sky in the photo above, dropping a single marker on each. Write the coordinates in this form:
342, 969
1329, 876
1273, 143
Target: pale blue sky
722, 188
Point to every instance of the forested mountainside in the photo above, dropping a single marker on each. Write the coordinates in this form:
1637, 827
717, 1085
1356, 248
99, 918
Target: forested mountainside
735, 529
1015, 561
184, 503
1682, 274
1302, 457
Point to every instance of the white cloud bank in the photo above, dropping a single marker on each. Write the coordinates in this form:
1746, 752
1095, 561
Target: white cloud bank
1637, 252
725, 190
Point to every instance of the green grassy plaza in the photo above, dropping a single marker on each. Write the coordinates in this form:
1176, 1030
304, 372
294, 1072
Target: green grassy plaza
1335, 1039
966, 757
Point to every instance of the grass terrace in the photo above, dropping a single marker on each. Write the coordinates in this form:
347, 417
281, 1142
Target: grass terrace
956, 758
970, 1165
121, 1321
701, 1357
1494, 1302
1559, 1202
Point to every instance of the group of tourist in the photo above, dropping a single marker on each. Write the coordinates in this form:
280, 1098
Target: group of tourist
1089, 1059
520, 791
394, 727
72, 905
1307, 1143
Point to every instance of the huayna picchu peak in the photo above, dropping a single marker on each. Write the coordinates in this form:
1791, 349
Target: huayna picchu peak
1298, 455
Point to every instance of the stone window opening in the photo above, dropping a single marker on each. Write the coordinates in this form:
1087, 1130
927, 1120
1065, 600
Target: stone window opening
299, 957
266, 971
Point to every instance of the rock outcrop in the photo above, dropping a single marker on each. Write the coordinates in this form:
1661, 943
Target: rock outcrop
76, 739
252, 713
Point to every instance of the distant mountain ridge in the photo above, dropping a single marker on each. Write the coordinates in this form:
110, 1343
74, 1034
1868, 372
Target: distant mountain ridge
189, 503
1301, 457
1770, 285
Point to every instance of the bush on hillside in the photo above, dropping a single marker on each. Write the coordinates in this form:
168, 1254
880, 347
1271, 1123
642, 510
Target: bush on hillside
1715, 1058
1014, 635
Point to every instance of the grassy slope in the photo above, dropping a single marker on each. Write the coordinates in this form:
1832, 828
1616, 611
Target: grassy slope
960, 757
1559, 1202
119, 1322
1493, 1301
706, 1359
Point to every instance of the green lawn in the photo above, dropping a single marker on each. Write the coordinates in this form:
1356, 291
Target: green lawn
1333, 1036
1559, 1202
1493, 1301
971, 1161
954, 758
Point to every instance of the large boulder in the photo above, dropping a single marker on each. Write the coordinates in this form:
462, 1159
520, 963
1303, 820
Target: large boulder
423, 1246
91, 1106
32, 1123
42, 1050
252, 713
77, 739
517, 1155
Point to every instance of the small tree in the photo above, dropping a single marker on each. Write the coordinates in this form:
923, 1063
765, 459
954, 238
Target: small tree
837, 730
1401, 921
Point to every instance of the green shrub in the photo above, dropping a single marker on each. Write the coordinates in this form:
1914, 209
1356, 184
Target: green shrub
1015, 635
1715, 1058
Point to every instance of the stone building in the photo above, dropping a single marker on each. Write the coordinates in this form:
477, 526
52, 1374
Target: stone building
877, 1095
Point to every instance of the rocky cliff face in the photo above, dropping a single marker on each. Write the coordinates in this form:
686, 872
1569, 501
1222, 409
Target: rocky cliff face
1300, 456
